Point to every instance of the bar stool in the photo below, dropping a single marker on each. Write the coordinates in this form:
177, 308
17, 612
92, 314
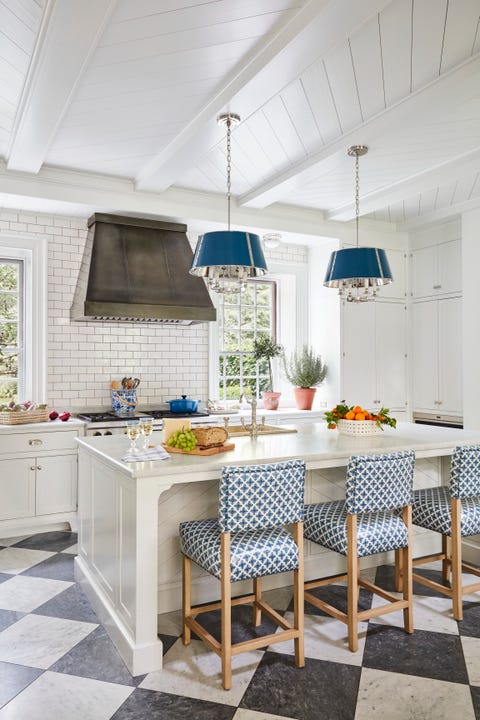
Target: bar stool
248, 541
453, 511
365, 523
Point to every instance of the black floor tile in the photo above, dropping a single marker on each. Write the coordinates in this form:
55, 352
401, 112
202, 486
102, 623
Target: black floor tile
426, 654
96, 657
14, 679
168, 641
143, 704
386, 574
470, 625
57, 567
319, 690
4, 577
335, 595
8, 617
71, 604
476, 701
51, 541
242, 628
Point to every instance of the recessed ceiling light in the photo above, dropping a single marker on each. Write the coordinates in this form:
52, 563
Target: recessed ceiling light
272, 240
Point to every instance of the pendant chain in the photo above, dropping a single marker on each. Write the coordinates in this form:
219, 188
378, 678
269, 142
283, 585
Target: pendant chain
357, 194
229, 168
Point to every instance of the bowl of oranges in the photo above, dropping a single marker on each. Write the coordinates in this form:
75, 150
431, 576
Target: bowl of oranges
355, 420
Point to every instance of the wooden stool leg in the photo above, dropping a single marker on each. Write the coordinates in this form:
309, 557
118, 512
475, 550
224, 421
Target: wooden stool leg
456, 511
186, 597
226, 612
446, 562
352, 582
298, 598
398, 570
407, 580
257, 591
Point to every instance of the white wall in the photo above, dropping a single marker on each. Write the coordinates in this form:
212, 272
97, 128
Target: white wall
83, 357
471, 325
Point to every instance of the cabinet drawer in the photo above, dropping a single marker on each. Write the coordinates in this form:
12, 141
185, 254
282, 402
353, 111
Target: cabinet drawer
37, 442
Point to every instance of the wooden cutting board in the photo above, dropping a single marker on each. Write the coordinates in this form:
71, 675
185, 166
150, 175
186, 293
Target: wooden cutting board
199, 451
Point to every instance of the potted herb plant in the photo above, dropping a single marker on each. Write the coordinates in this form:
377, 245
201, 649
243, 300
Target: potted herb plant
304, 369
265, 348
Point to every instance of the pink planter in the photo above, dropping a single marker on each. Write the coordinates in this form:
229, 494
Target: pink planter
271, 400
304, 397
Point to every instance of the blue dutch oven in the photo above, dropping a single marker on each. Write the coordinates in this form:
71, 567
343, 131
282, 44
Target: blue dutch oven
183, 404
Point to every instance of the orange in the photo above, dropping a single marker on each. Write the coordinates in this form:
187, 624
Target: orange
357, 409
350, 415
359, 416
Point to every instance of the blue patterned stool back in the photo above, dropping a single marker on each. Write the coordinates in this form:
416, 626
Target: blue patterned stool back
465, 472
261, 496
379, 482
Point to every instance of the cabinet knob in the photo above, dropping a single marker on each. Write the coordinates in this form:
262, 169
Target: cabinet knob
35, 441
39, 467
437, 287
32, 467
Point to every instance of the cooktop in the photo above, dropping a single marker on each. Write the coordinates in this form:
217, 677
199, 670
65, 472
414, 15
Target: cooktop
118, 417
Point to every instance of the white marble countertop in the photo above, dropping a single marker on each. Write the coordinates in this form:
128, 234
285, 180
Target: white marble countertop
313, 442
48, 426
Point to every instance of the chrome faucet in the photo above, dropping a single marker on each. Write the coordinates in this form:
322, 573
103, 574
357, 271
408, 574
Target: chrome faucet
253, 427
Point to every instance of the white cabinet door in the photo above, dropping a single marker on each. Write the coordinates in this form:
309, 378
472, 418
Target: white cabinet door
450, 355
358, 356
390, 354
17, 488
425, 356
56, 490
398, 264
424, 272
450, 267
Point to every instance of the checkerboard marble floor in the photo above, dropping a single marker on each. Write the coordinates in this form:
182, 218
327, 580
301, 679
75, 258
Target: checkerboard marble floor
56, 660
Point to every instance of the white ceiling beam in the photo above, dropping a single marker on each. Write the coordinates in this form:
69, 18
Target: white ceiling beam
311, 32
68, 35
435, 176
424, 104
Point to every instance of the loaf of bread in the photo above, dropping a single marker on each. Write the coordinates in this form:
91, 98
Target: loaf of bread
209, 436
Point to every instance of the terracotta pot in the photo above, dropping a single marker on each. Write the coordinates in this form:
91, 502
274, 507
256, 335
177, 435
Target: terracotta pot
271, 400
304, 397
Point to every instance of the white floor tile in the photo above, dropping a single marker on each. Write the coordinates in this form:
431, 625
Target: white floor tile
195, 671
15, 560
170, 623
72, 550
40, 641
429, 613
24, 593
243, 714
471, 653
396, 696
326, 639
53, 696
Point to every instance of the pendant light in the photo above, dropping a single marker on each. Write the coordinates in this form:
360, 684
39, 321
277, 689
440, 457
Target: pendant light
226, 259
358, 272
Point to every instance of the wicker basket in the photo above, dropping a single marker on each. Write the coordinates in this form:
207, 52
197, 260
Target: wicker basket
22, 417
358, 427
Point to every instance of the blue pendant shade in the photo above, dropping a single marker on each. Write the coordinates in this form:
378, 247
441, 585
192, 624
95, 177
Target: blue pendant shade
352, 270
226, 259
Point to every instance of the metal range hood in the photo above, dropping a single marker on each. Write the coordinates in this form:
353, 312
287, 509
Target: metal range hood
137, 270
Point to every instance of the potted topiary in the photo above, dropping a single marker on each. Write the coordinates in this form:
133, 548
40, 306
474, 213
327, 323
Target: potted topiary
265, 348
304, 370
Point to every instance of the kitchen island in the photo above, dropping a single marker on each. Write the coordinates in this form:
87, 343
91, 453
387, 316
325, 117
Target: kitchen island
128, 558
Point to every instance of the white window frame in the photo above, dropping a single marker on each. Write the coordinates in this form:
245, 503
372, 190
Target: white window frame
33, 251
292, 314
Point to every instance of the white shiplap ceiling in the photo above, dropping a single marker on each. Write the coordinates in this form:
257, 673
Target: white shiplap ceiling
130, 89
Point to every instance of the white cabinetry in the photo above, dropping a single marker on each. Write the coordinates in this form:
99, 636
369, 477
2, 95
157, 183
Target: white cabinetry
437, 356
374, 363
38, 476
437, 270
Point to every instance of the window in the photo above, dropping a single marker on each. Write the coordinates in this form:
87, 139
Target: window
240, 319
12, 342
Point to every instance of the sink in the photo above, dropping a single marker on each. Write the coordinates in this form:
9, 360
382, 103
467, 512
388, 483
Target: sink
239, 431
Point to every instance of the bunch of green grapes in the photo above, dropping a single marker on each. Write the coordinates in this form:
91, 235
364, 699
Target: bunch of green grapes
183, 439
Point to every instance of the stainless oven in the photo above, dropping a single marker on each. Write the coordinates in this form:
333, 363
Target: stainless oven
452, 421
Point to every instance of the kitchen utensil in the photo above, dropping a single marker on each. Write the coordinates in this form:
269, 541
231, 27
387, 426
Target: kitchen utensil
124, 383
198, 451
136, 383
183, 404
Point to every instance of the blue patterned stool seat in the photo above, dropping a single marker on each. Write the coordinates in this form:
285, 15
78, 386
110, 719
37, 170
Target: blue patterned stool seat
253, 553
431, 510
326, 525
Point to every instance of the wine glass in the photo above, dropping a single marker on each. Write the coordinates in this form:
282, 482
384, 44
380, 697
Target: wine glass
133, 431
146, 428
